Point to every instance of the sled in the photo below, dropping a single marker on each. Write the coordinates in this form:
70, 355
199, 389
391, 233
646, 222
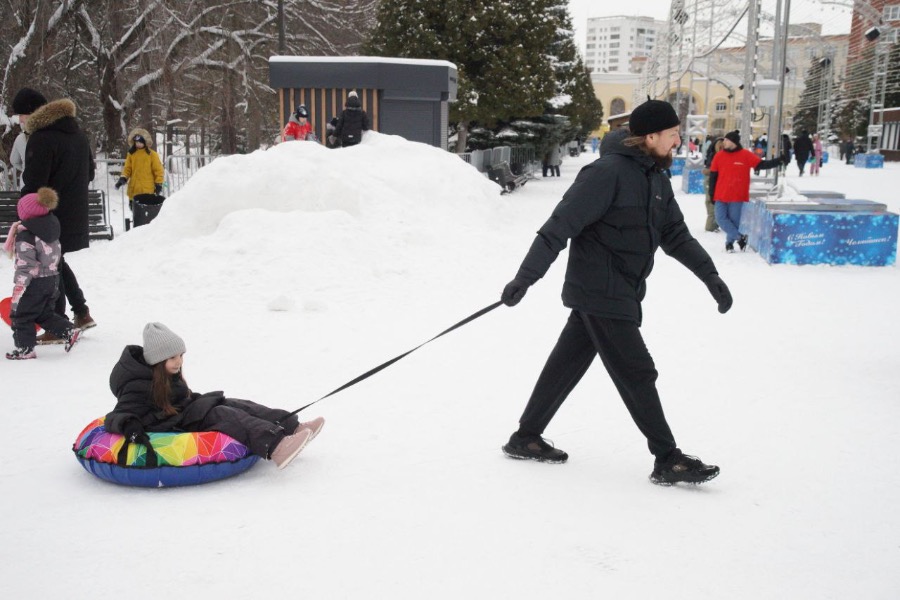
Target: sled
6, 308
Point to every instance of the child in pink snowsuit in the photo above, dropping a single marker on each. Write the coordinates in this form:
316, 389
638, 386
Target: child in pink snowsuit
817, 155
33, 243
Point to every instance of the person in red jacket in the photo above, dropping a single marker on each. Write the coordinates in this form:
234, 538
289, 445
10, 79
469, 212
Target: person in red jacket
298, 127
729, 185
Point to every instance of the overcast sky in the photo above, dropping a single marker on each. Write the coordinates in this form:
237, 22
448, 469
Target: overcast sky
835, 19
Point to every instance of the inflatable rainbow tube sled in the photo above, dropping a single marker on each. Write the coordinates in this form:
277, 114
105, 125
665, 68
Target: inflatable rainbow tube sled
187, 458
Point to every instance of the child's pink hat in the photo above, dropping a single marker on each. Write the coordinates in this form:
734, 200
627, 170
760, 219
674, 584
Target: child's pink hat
37, 204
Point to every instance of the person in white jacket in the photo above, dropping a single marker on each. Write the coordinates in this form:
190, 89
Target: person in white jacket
25, 102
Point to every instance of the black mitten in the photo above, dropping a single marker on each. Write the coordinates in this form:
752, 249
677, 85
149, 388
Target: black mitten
157, 188
132, 429
719, 291
514, 292
120, 182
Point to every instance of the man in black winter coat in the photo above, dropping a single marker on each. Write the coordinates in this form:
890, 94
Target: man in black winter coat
803, 148
619, 210
352, 122
59, 156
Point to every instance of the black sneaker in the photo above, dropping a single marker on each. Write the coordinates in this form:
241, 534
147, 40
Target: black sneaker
729, 247
533, 447
681, 468
742, 242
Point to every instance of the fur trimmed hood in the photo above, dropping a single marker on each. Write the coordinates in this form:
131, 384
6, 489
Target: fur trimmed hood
49, 114
148, 141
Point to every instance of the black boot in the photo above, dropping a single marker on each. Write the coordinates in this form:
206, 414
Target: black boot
681, 468
742, 242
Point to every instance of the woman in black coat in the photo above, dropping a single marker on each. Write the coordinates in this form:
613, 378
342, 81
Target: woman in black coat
59, 156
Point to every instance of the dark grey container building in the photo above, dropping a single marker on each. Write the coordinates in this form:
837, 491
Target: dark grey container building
402, 96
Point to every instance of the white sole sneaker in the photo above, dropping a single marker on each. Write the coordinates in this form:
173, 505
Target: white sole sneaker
289, 447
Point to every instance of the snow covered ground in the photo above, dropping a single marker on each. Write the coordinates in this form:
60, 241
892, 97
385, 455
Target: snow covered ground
291, 271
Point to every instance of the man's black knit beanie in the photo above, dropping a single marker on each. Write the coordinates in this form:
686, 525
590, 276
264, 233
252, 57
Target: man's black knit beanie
652, 116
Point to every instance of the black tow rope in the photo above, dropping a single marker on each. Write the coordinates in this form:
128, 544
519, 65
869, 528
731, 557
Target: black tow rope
384, 365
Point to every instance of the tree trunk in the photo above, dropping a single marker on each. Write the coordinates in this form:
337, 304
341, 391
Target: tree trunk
112, 117
229, 131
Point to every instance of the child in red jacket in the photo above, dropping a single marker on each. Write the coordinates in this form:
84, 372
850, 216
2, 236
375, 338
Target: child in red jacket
298, 127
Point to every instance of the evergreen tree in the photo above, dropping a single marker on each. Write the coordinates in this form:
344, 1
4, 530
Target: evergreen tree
498, 47
575, 97
806, 113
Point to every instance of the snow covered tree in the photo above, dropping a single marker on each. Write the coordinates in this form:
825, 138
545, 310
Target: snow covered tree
806, 112
148, 61
498, 46
575, 97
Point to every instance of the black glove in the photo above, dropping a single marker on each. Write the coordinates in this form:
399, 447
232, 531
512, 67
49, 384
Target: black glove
132, 429
157, 188
514, 291
120, 182
719, 291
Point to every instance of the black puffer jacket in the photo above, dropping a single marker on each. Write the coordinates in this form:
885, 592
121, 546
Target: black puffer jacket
803, 147
620, 209
131, 380
59, 156
352, 122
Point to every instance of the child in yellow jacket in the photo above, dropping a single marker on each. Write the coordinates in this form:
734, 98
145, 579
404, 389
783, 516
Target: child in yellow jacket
143, 169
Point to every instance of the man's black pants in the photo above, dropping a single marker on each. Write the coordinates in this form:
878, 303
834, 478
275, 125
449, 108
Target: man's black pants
628, 362
69, 289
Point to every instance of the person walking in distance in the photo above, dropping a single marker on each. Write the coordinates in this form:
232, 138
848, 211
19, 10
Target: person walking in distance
803, 149
817, 155
619, 210
59, 156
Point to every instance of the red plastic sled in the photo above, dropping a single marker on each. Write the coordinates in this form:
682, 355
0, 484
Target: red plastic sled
5, 308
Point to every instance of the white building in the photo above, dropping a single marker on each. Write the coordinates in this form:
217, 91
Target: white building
612, 43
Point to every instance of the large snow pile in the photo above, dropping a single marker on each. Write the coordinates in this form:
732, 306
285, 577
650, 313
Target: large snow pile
300, 217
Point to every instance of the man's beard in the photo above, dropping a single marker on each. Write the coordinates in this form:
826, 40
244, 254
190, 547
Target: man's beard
663, 162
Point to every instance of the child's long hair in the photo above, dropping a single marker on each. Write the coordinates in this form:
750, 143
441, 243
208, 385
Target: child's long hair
161, 389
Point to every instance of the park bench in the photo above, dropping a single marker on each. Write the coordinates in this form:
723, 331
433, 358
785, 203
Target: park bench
495, 164
98, 214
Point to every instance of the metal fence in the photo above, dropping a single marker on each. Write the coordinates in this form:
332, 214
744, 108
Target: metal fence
9, 178
521, 159
178, 170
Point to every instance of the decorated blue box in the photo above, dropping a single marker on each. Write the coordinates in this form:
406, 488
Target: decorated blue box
869, 161
832, 231
677, 165
692, 181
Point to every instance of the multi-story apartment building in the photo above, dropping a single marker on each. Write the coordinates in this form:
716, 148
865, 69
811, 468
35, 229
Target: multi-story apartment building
715, 85
612, 43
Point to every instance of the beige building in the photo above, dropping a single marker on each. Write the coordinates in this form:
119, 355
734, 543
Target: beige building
720, 96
